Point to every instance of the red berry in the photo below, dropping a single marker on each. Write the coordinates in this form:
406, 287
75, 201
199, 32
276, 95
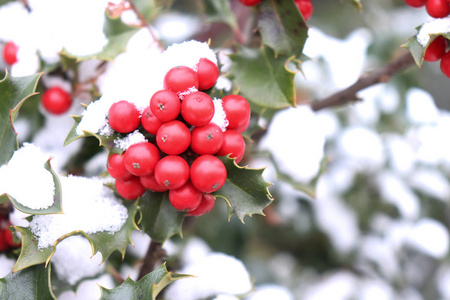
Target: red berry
9, 237
436, 49
438, 8
131, 188
237, 110
150, 123
4, 245
233, 144
165, 105
124, 117
116, 167
56, 100
172, 172
173, 137
208, 173
140, 159
445, 64
416, 3
306, 8
206, 205
150, 183
243, 127
206, 139
10, 53
185, 198
180, 79
207, 73
197, 109
250, 2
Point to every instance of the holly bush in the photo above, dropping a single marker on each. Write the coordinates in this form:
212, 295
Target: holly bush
140, 136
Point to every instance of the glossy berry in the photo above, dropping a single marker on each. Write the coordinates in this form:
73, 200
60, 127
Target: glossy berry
206, 139
305, 7
243, 127
150, 183
172, 172
140, 159
165, 105
10, 53
208, 173
237, 110
185, 198
250, 2
233, 144
56, 100
124, 117
438, 8
206, 205
173, 137
207, 73
436, 49
197, 109
116, 167
445, 64
416, 3
130, 189
180, 79
150, 123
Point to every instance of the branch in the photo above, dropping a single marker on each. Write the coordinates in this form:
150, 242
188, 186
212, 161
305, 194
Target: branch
145, 24
383, 74
155, 254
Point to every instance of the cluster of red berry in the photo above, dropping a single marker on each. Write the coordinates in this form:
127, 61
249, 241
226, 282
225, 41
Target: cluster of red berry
435, 8
304, 6
6, 237
183, 159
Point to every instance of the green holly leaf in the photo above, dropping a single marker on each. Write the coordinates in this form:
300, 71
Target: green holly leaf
159, 219
28, 284
147, 288
103, 242
13, 92
219, 11
282, 27
30, 255
245, 190
263, 78
117, 33
55, 208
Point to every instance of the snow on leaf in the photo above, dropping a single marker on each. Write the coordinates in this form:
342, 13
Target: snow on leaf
13, 92
159, 219
55, 208
147, 288
104, 242
245, 191
30, 283
263, 78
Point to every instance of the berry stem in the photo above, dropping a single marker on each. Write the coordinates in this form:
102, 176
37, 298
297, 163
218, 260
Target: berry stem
155, 254
145, 24
380, 75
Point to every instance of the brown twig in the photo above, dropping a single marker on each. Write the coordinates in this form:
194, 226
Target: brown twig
155, 254
383, 74
145, 24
